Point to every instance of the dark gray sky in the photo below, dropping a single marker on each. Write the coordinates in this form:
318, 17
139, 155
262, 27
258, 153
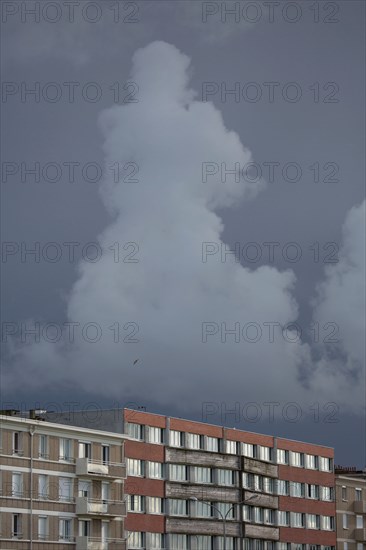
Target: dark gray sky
294, 131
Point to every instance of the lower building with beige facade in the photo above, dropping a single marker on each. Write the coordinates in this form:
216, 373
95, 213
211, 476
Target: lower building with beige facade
351, 508
62, 487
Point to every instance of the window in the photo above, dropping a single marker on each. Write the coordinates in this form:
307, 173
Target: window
17, 484
84, 450
248, 480
155, 505
43, 446
311, 462
268, 516
194, 441
345, 521
282, 487
178, 542
155, 470
297, 489
42, 527
84, 488
224, 508
264, 453
17, 443
282, 456
105, 454
203, 509
268, 484
65, 489
297, 519
66, 449
359, 522
212, 444
297, 459
325, 464
313, 521
65, 529
231, 447
155, 435
283, 518
257, 514
204, 542
248, 450
284, 546
225, 477
176, 438
177, 472
135, 539
328, 523
247, 513
136, 431
313, 491
156, 541
136, 503
345, 545
229, 543
17, 526
42, 486
178, 507
326, 493
105, 491
202, 475
84, 528
358, 494
134, 467
344, 492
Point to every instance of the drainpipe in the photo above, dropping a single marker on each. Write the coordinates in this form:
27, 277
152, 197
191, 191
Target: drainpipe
32, 429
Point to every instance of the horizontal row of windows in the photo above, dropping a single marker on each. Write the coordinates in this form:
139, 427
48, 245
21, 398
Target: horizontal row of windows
281, 518
287, 488
219, 510
178, 439
66, 448
155, 541
357, 493
65, 527
59, 488
226, 478
345, 521
137, 539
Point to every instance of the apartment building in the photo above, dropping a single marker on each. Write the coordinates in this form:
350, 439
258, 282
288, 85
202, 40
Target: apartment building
193, 485
196, 486
61, 487
351, 508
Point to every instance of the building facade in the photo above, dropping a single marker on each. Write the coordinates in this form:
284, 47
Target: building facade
193, 485
62, 487
351, 508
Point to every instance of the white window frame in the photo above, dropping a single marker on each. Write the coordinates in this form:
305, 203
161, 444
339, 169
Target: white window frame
65, 449
155, 470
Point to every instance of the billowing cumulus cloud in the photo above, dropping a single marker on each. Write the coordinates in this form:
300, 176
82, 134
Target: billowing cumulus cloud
340, 308
156, 289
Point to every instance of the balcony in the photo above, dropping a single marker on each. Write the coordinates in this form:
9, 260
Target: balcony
98, 469
94, 543
98, 508
360, 507
360, 535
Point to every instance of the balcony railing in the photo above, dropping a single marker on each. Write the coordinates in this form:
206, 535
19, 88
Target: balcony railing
360, 534
94, 543
99, 468
97, 507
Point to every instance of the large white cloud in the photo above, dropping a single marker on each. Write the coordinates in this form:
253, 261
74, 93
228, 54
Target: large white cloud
170, 292
339, 306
